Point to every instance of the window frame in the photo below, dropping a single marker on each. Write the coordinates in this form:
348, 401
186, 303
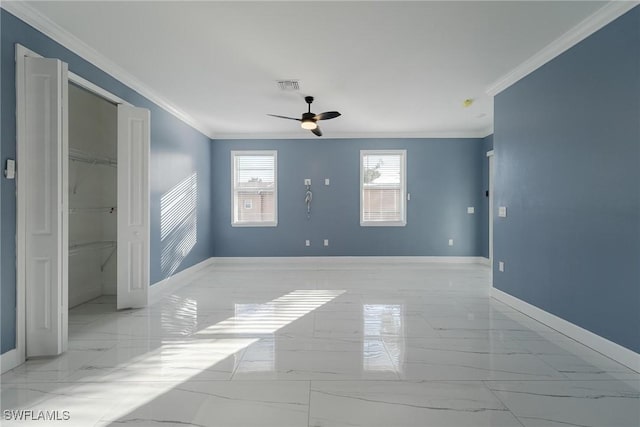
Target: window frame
237, 153
402, 222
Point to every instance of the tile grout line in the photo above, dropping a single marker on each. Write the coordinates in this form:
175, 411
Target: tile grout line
501, 401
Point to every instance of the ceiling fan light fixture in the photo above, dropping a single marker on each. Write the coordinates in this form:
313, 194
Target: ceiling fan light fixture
308, 124
309, 120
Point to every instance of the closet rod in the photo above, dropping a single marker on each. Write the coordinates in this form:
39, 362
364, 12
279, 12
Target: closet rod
79, 247
106, 209
81, 156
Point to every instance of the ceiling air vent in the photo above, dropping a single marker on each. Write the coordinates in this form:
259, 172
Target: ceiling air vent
289, 85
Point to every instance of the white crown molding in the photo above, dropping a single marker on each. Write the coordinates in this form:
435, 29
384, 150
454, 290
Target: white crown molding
597, 20
52, 30
481, 133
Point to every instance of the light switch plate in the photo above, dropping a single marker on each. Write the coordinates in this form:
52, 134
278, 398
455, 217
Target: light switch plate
501, 266
307, 242
471, 210
326, 181
326, 242
502, 211
10, 171
450, 242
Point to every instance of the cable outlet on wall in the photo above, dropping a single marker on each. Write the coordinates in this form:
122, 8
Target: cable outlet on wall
326, 242
501, 266
307, 242
450, 242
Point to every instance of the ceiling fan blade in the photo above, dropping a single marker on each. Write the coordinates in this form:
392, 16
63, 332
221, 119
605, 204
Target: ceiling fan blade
327, 115
317, 131
284, 117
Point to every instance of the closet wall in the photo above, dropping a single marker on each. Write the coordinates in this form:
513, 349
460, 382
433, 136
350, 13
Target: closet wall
92, 196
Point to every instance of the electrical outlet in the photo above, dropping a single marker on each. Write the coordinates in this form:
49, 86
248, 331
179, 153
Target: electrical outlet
307, 242
501, 266
502, 211
450, 242
326, 242
327, 181
471, 210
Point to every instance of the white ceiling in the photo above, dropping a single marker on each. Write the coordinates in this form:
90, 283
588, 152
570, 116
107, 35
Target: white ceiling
391, 68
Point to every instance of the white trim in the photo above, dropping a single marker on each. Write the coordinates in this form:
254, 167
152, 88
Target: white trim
479, 133
484, 261
603, 16
342, 260
74, 78
21, 131
602, 345
240, 153
52, 30
490, 153
176, 281
93, 88
9, 360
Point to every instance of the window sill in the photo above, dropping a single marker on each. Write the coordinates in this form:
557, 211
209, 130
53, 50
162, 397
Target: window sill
254, 224
383, 224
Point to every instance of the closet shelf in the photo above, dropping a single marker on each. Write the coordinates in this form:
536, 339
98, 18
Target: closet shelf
76, 248
106, 209
81, 156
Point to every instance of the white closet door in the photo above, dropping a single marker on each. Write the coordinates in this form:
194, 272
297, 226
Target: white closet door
42, 176
133, 206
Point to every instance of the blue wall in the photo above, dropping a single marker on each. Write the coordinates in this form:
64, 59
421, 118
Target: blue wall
444, 178
177, 152
567, 145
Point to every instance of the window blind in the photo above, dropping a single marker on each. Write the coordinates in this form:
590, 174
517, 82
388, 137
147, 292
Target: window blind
254, 188
382, 198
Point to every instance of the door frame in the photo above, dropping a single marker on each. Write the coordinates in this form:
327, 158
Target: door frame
490, 167
21, 311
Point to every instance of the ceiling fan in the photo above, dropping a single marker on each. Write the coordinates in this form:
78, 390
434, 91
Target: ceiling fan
309, 120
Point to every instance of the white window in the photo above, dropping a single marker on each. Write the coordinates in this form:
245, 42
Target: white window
383, 186
254, 188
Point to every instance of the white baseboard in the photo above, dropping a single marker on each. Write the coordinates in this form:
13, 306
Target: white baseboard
484, 261
349, 259
178, 280
602, 345
9, 360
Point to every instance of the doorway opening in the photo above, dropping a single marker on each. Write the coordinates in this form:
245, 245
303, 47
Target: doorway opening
83, 201
490, 159
93, 182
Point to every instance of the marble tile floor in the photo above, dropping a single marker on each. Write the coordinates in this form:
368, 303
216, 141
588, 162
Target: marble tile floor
319, 345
